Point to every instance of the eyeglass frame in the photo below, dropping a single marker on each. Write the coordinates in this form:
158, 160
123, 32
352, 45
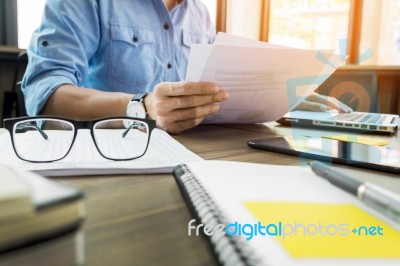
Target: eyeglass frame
9, 123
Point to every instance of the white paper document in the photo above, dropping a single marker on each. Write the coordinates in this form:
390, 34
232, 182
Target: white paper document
162, 155
264, 81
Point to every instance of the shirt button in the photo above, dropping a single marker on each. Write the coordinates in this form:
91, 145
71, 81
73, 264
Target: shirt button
135, 39
45, 43
166, 26
169, 66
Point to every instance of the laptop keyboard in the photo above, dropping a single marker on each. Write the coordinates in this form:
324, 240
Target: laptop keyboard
362, 118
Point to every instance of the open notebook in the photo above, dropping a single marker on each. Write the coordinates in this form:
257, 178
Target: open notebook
283, 215
162, 155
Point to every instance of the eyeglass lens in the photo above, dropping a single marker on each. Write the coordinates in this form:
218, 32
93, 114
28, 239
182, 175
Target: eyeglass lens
43, 139
129, 141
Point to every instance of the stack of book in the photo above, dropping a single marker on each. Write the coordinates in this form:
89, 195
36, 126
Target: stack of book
39, 220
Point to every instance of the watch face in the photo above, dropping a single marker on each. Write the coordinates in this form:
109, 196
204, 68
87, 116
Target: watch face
136, 109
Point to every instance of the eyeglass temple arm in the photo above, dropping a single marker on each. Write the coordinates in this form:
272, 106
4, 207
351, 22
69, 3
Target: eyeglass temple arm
133, 126
44, 135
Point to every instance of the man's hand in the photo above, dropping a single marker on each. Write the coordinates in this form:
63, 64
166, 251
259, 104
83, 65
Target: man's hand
320, 103
177, 106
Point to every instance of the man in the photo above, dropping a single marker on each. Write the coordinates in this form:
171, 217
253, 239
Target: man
93, 58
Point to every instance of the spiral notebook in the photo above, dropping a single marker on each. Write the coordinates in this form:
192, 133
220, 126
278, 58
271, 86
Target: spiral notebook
257, 214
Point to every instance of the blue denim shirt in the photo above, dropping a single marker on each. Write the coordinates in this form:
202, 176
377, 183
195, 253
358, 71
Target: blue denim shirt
112, 45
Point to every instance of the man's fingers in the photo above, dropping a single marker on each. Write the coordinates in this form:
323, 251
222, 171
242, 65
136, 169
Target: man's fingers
180, 126
170, 104
189, 113
197, 100
311, 106
318, 98
185, 88
177, 106
335, 104
330, 102
183, 119
343, 107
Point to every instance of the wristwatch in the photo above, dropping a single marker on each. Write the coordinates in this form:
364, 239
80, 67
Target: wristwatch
135, 107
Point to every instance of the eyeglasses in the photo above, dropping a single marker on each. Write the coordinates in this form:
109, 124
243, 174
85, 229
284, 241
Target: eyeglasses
43, 139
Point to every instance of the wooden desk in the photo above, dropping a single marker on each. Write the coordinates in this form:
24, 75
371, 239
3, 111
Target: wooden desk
142, 219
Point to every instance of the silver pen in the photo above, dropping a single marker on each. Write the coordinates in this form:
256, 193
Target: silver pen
384, 201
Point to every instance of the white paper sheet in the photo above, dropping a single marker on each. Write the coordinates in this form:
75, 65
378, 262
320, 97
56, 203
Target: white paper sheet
264, 81
162, 155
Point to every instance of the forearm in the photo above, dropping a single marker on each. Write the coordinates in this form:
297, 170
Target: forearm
84, 104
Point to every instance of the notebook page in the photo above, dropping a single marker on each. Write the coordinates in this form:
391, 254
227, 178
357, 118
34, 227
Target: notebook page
249, 193
162, 155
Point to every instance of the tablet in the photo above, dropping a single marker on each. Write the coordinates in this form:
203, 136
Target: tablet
380, 158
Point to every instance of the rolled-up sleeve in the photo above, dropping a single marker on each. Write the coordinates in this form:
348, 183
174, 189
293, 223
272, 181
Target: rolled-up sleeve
60, 50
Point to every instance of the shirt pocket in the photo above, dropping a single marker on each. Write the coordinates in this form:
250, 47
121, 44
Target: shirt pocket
188, 39
132, 55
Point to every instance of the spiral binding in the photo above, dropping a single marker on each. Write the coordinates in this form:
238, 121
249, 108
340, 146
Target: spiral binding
229, 250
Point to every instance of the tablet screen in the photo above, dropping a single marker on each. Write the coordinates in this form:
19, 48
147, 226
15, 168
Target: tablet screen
384, 158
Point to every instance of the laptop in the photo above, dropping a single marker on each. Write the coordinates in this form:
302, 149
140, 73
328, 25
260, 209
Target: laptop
355, 121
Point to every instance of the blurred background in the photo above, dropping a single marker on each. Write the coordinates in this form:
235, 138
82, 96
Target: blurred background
368, 31
308, 24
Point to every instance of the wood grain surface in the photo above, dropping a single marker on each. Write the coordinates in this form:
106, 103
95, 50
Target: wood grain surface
142, 219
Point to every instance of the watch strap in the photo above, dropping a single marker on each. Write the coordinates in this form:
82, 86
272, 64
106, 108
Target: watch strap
138, 97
